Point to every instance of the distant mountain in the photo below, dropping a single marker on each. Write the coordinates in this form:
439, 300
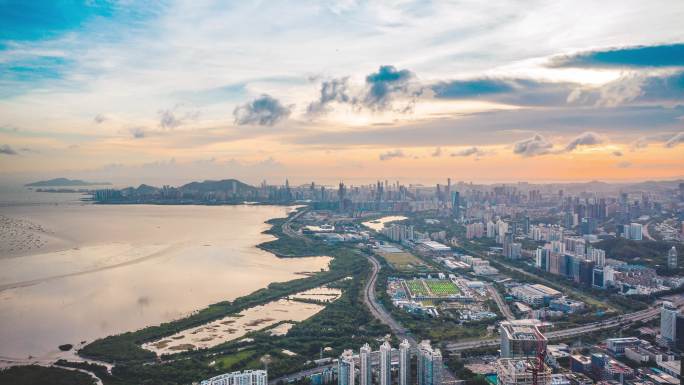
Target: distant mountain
217, 185
62, 182
209, 191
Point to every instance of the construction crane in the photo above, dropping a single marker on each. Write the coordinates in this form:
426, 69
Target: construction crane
538, 367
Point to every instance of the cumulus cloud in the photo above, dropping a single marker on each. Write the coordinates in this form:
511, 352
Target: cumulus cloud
7, 150
632, 88
437, 153
99, 118
392, 154
536, 145
264, 111
137, 132
584, 139
675, 140
334, 90
380, 90
617, 153
387, 83
624, 90
639, 144
468, 152
167, 119
172, 118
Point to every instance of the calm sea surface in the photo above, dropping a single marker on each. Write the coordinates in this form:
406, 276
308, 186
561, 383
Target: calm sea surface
72, 271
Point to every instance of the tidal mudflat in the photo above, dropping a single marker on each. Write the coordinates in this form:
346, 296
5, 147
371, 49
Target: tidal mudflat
98, 270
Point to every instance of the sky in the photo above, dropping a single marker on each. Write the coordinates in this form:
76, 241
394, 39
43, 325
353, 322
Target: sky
483, 91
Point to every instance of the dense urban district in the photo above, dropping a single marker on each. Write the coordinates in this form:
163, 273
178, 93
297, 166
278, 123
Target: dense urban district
509, 284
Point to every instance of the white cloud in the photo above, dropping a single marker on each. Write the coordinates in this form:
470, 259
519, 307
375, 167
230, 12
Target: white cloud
392, 154
584, 139
675, 140
536, 145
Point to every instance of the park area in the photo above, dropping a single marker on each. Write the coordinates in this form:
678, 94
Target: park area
402, 261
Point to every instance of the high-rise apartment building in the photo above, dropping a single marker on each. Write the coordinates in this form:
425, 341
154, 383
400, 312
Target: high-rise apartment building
365, 376
345, 368
385, 364
634, 231
404, 363
429, 364
668, 322
672, 258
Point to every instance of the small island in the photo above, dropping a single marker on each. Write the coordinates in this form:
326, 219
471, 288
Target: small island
65, 182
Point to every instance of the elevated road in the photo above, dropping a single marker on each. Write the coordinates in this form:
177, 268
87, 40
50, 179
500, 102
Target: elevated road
505, 310
643, 315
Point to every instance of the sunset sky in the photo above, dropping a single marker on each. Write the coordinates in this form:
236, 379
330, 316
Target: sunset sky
483, 91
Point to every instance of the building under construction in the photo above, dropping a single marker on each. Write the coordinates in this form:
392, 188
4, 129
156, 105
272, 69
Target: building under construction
522, 371
521, 339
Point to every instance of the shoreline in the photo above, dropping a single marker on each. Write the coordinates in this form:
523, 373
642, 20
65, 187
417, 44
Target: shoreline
133, 340
301, 269
346, 267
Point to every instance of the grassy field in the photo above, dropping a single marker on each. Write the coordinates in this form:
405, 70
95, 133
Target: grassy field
442, 288
432, 288
402, 261
227, 362
417, 288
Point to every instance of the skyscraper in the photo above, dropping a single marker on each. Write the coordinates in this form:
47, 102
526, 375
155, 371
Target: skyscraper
429, 364
635, 231
672, 258
668, 321
679, 333
456, 203
345, 368
385, 364
365, 377
404, 363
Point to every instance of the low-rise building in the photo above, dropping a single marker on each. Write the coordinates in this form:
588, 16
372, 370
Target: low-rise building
617, 346
433, 249
248, 377
566, 305
535, 295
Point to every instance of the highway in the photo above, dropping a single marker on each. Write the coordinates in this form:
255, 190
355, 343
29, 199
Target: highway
643, 315
287, 229
378, 310
505, 310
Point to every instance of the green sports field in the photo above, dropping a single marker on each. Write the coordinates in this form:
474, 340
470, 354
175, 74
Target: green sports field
431, 288
442, 288
417, 288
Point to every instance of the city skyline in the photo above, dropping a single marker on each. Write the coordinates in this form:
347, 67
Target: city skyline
170, 93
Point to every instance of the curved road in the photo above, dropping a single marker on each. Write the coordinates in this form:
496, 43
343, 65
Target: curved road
377, 309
